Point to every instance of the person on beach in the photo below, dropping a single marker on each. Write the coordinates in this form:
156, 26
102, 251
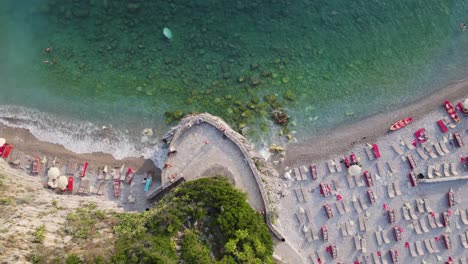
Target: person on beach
462, 27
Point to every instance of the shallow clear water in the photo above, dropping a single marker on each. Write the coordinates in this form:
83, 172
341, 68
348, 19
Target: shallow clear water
343, 59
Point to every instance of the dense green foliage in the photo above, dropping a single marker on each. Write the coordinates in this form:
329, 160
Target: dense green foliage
210, 221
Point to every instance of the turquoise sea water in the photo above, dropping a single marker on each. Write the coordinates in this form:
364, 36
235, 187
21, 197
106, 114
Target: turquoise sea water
343, 60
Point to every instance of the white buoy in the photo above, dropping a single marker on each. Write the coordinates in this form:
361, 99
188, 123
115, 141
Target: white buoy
167, 33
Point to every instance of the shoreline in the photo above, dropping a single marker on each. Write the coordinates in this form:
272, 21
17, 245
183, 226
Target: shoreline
369, 129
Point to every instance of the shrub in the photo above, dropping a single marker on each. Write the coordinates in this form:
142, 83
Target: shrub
39, 234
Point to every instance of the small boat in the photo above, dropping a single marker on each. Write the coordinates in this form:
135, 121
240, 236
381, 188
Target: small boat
401, 123
452, 111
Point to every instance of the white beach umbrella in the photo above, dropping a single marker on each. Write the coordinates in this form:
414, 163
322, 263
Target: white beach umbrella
53, 173
62, 182
354, 170
2, 141
465, 104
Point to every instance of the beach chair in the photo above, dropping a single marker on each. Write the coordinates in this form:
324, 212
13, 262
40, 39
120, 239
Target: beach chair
346, 206
419, 248
411, 212
84, 186
453, 168
412, 178
385, 237
300, 219
333, 251
330, 165
420, 205
449, 123
446, 220
438, 149
428, 148
393, 255
297, 174
437, 220
378, 237
392, 166
359, 181
340, 208
464, 240
338, 165
391, 216
324, 233
369, 153
101, 188
362, 225
313, 172
363, 245
368, 178
463, 260
314, 232
390, 191
427, 205
427, 243
372, 197
444, 147
315, 258
434, 245
430, 168
447, 241
407, 143
336, 185
70, 183
463, 217
396, 148
432, 222
458, 139
117, 188
304, 194
356, 205
307, 233
412, 250
423, 225
406, 214
363, 204
349, 228
421, 153
396, 186
446, 170
350, 180
324, 189
304, 172
437, 170
411, 161
299, 195
451, 198
344, 232
416, 227
380, 168
328, 210
308, 214
376, 259
357, 242
147, 184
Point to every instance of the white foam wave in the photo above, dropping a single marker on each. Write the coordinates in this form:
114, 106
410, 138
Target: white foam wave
78, 135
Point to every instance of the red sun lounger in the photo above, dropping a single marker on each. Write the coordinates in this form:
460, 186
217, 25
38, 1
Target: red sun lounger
85, 167
368, 178
375, 150
458, 139
70, 184
7, 151
442, 126
129, 175
411, 162
35, 166
412, 179
451, 198
313, 172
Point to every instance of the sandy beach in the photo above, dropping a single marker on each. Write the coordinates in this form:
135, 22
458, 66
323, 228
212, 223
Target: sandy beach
317, 150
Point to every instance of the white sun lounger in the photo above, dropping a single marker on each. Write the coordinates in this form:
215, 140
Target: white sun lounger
300, 219
349, 228
449, 123
385, 237
434, 245
437, 170
390, 191
362, 224
419, 248
359, 180
408, 144
315, 258
427, 205
340, 208
357, 242
429, 151
304, 173
417, 229
438, 149
350, 180
297, 174
432, 222
299, 195
338, 165
357, 206
411, 212
430, 168
369, 153
453, 168
406, 214
378, 237
396, 186
437, 220
463, 260
397, 148
363, 245
423, 225
336, 185
375, 257
330, 166
314, 232
307, 234
363, 204
427, 243
444, 147
412, 249
346, 206
446, 170
464, 240
380, 168
463, 217
308, 213
392, 166
421, 153
304, 194
344, 232
420, 205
